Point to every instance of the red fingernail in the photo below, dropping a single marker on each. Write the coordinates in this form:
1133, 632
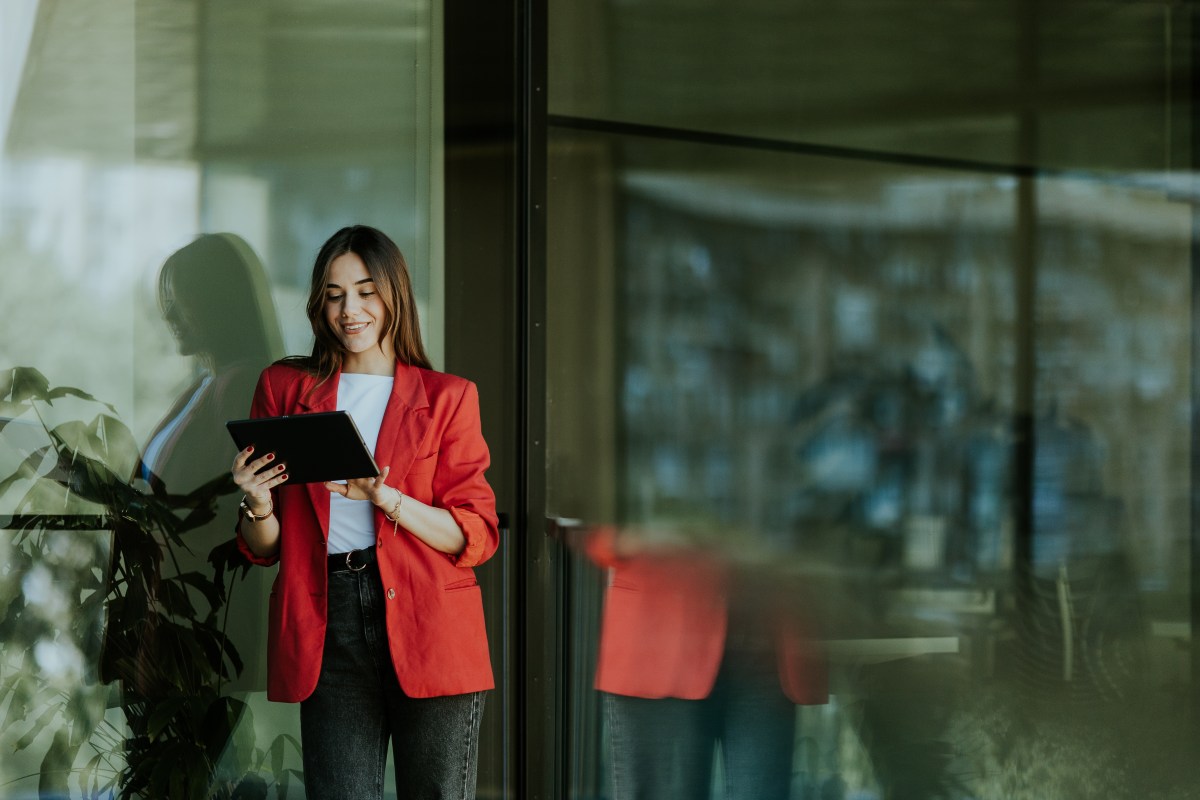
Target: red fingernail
250, 449
270, 456
284, 477
279, 468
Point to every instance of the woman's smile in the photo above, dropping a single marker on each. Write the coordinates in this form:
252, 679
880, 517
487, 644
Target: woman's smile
357, 315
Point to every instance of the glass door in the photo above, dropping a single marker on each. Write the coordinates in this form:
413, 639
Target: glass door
868, 400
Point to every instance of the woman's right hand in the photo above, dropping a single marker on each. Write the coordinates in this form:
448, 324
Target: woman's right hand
254, 484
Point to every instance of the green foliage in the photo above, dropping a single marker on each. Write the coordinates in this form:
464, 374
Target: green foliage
164, 641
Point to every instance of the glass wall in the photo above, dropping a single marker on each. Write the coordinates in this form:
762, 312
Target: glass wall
869, 398
168, 173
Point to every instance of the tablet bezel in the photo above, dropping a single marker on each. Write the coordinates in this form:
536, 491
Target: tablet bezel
317, 447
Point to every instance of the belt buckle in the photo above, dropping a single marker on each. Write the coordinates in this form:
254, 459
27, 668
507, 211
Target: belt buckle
350, 566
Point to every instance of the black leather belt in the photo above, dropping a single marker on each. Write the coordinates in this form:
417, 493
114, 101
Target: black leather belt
354, 561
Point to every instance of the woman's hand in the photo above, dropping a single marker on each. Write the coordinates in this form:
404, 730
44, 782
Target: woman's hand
257, 485
261, 531
373, 489
434, 526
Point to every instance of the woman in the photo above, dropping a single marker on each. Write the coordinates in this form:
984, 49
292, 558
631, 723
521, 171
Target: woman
376, 620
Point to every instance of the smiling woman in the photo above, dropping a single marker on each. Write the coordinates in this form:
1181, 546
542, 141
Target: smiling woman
414, 680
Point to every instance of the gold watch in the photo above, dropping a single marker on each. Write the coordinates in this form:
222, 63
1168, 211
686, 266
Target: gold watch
250, 515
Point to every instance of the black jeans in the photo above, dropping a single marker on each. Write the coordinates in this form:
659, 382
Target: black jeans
358, 708
665, 748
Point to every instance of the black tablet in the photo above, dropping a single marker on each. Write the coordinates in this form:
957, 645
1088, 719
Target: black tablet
325, 446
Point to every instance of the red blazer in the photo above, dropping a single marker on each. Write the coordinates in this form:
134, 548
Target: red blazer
665, 624
431, 439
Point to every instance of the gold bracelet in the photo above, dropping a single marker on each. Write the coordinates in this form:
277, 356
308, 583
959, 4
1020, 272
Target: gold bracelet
391, 515
396, 508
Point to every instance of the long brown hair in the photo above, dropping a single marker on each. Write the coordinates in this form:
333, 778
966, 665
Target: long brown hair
388, 269
213, 279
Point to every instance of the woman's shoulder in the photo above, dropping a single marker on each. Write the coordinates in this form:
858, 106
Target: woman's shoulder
286, 375
443, 385
442, 380
291, 368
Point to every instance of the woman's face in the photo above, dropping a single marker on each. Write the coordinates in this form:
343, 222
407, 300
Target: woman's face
354, 311
188, 335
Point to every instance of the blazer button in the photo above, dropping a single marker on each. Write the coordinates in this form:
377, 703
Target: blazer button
391, 594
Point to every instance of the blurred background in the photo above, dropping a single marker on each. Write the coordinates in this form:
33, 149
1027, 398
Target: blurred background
836, 363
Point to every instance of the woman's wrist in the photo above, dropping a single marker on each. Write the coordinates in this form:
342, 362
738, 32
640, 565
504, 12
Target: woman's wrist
252, 510
392, 510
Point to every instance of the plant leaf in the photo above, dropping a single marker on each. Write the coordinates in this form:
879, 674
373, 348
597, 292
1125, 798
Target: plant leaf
119, 444
39, 726
23, 384
162, 715
277, 755
18, 709
211, 591
70, 391
175, 600
235, 658
56, 766
27, 469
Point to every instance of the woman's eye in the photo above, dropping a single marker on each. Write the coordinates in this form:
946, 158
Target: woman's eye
365, 294
333, 298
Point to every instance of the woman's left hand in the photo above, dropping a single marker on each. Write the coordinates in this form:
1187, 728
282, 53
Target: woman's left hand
373, 489
436, 527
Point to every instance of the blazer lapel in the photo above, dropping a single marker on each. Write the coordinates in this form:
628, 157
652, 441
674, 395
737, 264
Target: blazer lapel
405, 423
323, 398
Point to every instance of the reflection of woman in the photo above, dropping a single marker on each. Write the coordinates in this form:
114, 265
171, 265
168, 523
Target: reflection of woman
203, 288
376, 621
695, 652
168, 638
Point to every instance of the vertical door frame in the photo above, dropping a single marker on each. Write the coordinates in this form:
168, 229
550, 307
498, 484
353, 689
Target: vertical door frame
495, 233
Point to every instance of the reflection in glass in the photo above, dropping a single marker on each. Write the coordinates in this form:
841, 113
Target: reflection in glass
893, 77
699, 654
172, 633
213, 296
817, 393
127, 130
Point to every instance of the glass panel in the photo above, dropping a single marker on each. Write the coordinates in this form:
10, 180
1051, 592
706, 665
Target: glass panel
168, 173
942, 80
870, 397
874, 475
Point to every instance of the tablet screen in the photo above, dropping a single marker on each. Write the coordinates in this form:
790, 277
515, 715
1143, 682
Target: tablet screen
325, 446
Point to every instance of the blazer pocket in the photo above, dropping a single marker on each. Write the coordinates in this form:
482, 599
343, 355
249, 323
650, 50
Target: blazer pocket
424, 466
458, 586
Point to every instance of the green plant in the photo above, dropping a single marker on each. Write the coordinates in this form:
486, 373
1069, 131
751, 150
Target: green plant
183, 734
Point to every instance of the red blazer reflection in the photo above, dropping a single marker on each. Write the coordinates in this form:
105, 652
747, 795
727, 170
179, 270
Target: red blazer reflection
665, 626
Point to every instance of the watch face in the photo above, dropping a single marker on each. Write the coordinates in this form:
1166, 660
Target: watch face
250, 514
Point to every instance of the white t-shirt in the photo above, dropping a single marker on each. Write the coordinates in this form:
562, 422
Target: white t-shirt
352, 522
150, 465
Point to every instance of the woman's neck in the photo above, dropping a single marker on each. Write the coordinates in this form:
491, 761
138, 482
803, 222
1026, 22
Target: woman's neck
371, 362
